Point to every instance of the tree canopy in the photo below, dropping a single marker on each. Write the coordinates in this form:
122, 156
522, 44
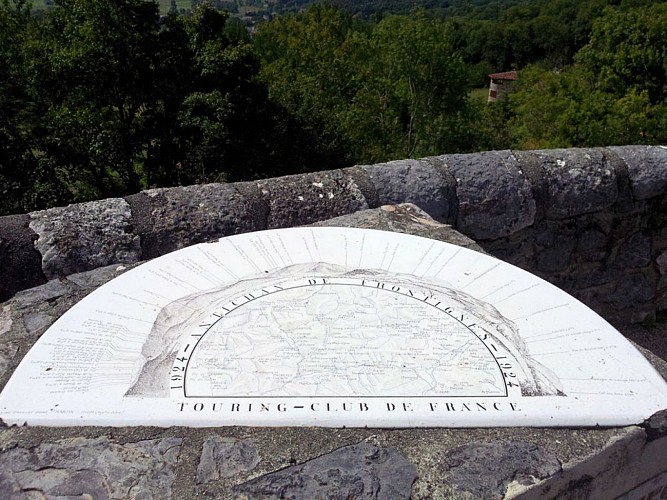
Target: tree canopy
106, 97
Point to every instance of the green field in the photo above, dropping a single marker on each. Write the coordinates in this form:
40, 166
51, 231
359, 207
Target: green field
479, 94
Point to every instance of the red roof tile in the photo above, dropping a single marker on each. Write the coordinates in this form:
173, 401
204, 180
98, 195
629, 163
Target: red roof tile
507, 75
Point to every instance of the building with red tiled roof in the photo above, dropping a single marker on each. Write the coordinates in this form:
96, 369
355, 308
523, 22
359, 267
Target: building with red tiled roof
500, 84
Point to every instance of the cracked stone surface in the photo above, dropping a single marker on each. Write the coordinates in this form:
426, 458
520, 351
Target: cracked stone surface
303, 199
403, 218
412, 181
224, 457
90, 468
486, 469
361, 470
85, 236
495, 198
171, 218
5, 319
647, 168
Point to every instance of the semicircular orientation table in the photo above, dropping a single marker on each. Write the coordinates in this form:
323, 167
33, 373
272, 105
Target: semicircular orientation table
331, 327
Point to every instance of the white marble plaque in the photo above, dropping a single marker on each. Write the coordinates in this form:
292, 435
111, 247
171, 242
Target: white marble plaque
331, 327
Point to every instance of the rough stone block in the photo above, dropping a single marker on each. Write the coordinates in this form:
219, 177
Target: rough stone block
485, 470
591, 239
362, 470
578, 181
632, 290
413, 181
635, 252
364, 182
298, 200
556, 258
661, 261
20, 263
404, 218
494, 197
173, 218
647, 169
225, 457
7, 352
5, 319
33, 297
89, 280
90, 468
85, 236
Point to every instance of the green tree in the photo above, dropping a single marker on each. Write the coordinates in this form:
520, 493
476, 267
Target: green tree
306, 66
568, 109
627, 51
92, 71
381, 92
411, 96
18, 164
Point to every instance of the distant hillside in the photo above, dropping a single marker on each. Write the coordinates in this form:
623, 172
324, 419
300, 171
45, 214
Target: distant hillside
255, 10
479, 9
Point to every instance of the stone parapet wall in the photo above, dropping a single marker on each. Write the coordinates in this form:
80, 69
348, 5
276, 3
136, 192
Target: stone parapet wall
592, 221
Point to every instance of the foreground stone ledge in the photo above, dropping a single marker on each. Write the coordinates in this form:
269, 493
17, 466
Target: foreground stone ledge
244, 462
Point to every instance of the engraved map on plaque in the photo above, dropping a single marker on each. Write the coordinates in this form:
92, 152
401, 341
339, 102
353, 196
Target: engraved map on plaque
331, 327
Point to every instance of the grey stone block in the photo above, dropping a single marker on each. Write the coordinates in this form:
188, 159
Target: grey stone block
358, 471
635, 252
224, 457
20, 263
49, 291
173, 218
89, 280
578, 181
90, 468
413, 181
494, 197
364, 182
405, 218
35, 322
486, 469
85, 236
7, 352
298, 200
632, 290
656, 426
661, 261
557, 257
647, 169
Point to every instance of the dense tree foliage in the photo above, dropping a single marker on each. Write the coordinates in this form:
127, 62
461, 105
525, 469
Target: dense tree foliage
613, 94
391, 90
16, 163
105, 97
102, 98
